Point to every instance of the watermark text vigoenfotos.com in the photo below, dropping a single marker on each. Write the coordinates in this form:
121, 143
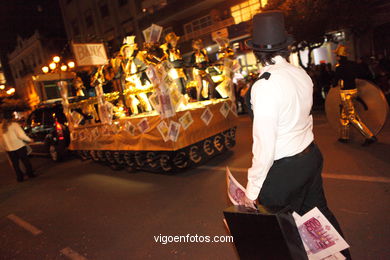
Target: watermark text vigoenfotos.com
165, 239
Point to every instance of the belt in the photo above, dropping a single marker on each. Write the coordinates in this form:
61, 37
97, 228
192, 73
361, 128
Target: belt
307, 150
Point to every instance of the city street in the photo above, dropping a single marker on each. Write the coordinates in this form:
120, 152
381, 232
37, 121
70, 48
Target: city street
84, 210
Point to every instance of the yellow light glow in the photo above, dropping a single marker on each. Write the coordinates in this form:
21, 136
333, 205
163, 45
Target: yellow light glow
71, 64
52, 66
56, 59
173, 74
64, 67
2, 87
245, 11
10, 91
45, 69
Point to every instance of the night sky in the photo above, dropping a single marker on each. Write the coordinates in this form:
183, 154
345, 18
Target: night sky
23, 17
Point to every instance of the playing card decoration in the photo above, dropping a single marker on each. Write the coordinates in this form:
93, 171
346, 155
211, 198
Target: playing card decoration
186, 120
206, 116
224, 109
143, 125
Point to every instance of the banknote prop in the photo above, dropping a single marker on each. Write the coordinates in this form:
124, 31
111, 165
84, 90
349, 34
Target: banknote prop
235, 191
155, 102
174, 130
146, 34
163, 129
320, 238
76, 118
129, 127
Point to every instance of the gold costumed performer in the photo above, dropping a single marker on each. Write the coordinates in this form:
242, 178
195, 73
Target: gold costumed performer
345, 75
131, 70
200, 61
224, 50
225, 57
174, 57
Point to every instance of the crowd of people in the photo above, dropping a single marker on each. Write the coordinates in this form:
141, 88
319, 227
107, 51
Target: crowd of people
375, 69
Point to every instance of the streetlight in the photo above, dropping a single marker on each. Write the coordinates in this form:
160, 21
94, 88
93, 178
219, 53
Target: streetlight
71, 64
10, 91
52, 66
45, 69
56, 59
57, 64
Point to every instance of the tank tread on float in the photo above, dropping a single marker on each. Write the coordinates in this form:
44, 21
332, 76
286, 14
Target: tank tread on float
149, 143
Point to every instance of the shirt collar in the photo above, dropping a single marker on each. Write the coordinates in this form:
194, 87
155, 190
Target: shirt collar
278, 60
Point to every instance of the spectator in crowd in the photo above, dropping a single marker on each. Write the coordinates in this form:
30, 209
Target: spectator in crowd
13, 141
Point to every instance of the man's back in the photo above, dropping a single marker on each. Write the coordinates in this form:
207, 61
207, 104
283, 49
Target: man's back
292, 90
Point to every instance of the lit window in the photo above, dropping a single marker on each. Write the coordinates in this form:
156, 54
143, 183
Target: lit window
245, 11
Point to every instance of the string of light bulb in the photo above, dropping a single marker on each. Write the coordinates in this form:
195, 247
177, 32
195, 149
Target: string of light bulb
56, 64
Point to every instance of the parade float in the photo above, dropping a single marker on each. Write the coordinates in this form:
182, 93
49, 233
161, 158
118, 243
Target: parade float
150, 123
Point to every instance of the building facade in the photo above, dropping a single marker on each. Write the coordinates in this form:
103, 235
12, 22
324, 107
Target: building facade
25, 61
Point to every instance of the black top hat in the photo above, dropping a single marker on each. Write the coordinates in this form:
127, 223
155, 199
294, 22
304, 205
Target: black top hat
269, 33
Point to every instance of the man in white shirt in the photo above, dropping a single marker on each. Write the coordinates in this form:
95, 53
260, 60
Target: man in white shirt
286, 165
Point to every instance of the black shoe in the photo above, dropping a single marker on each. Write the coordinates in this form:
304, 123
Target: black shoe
19, 179
344, 141
369, 141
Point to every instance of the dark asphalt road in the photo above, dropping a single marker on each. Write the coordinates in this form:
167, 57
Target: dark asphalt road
105, 214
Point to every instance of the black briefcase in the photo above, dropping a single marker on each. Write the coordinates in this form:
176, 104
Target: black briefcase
264, 234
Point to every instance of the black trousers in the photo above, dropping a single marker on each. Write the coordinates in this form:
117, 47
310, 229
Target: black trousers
20, 155
181, 84
296, 182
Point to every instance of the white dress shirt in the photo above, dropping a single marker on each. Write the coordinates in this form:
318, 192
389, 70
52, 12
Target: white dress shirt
282, 123
14, 138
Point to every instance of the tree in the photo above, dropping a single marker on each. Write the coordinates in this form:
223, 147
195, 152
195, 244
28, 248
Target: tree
309, 21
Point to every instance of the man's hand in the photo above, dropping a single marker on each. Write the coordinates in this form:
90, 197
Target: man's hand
248, 203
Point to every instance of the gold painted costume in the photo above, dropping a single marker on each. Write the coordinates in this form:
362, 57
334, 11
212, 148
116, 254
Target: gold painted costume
349, 116
131, 66
174, 56
345, 75
200, 61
